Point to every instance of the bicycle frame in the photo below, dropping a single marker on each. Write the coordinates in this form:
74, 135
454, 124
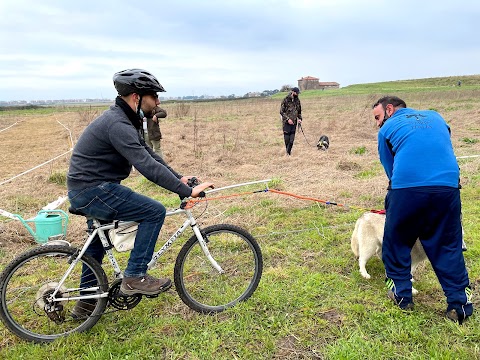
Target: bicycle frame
101, 229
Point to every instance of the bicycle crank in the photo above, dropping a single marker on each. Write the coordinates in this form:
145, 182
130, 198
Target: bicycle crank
119, 300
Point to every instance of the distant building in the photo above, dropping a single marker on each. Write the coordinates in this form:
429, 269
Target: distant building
313, 83
252, 94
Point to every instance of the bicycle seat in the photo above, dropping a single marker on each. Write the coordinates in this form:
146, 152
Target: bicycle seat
74, 211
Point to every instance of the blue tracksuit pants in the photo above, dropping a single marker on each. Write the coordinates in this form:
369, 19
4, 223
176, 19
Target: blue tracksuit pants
433, 215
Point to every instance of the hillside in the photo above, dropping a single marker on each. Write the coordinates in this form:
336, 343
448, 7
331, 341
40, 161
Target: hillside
438, 84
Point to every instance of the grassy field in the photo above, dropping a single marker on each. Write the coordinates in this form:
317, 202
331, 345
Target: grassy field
311, 303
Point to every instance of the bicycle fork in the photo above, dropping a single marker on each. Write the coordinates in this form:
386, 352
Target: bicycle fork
203, 245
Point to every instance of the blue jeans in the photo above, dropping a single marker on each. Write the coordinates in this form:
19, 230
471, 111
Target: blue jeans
111, 201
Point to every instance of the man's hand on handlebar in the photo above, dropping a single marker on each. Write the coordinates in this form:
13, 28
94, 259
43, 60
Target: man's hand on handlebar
198, 191
190, 180
197, 186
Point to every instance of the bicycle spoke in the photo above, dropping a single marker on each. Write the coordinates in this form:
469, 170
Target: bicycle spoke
27, 285
201, 286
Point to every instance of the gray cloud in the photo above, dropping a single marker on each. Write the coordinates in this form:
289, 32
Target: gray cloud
69, 50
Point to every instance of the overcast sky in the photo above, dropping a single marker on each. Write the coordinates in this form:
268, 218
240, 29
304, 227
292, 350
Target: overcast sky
70, 49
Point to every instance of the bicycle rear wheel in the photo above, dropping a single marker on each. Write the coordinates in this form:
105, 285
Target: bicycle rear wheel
27, 283
201, 286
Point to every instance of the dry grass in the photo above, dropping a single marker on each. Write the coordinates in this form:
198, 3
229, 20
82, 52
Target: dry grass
235, 141
312, 302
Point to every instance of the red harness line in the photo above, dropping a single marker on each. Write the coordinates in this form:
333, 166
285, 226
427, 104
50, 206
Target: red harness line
192, 202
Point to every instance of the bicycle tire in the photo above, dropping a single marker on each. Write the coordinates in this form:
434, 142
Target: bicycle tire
28, 279
201, 287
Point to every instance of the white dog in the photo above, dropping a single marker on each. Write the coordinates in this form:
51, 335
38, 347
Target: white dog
367, 241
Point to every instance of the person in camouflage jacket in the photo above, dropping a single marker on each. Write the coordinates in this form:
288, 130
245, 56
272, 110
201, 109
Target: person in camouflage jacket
153, 136
291, 113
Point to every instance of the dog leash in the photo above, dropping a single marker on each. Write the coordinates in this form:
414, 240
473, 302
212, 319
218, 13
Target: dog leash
301, 128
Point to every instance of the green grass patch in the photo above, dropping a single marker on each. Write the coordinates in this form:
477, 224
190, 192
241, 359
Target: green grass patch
58, 177
366, 174
359, 150
470, 141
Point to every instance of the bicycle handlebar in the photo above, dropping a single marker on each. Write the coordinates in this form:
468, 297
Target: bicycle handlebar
192, 182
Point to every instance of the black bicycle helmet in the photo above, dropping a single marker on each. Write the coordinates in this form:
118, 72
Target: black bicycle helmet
136, 81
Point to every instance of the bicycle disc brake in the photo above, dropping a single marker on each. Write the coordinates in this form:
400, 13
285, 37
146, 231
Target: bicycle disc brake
120, 301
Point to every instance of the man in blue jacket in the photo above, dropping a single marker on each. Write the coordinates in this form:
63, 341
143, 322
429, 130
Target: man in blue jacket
423, 201
102, 158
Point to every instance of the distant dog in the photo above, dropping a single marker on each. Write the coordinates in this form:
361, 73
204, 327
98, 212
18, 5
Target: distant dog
323, 143
367, 241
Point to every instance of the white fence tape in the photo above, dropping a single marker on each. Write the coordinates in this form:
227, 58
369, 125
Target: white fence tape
7, 214
8, 127
55, 204
467, 157
69, 134
52, 206
36, 167
46, 162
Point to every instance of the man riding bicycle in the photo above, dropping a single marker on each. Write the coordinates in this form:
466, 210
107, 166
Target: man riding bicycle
102, 158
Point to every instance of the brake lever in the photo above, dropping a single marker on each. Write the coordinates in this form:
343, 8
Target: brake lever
185, 201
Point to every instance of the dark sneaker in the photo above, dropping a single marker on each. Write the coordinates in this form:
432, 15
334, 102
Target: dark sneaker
145, 285
456, 316
404, 306
83, 309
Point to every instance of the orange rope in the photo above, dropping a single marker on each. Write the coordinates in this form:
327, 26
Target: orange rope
305, 197
325, 201
191, 203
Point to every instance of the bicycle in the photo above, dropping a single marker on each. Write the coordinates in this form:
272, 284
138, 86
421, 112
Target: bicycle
216, 268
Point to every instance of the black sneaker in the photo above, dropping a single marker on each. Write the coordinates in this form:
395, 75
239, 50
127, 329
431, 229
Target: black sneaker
406, 307
145, 285
83, 309
456, 316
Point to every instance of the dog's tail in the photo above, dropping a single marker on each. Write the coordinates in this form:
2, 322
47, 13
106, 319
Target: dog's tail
354, 241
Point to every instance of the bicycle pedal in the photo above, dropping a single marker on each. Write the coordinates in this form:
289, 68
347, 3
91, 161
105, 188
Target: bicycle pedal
151, 296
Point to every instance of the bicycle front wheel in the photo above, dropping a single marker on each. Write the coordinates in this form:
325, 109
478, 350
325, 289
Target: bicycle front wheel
205, 289
27, 283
